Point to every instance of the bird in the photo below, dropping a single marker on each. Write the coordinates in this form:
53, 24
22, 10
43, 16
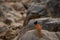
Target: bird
38, 27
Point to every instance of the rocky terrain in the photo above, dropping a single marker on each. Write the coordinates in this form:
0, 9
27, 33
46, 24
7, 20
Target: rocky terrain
18, 16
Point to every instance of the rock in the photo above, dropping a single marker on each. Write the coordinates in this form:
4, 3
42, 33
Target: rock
35, 11
58, 34
45, 8
12, 32
10, 13
33, 34
51, 24
8, 21
10, 35
54, 24
15, 26
54, 8
3, 29
41, 21
36, 8
6, 7
9, 17
27, 3
18, 6
2, 13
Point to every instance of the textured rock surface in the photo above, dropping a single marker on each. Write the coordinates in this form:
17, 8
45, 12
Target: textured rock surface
33, 35
52, 7
35, 11
51, 24
10, 19
14, 12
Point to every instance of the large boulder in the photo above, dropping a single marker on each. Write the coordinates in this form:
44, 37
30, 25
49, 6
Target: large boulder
54, 8
35, 11
44, 8
33, 35
51, 24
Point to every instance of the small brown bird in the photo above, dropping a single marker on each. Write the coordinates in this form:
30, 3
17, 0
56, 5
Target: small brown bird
38, 28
